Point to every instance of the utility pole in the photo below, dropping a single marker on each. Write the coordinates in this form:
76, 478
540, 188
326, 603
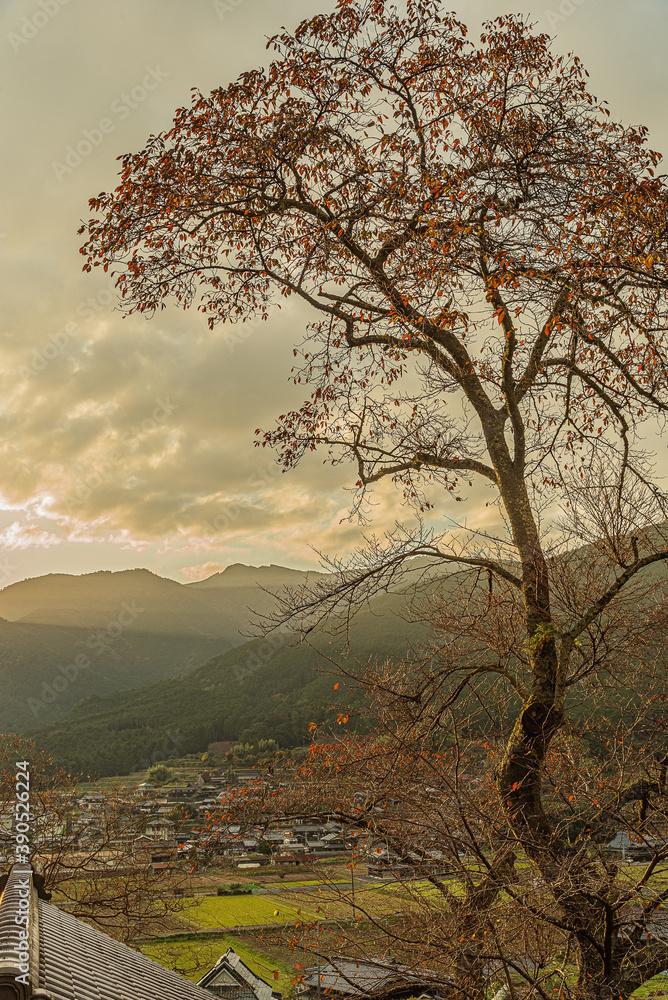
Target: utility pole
318, 954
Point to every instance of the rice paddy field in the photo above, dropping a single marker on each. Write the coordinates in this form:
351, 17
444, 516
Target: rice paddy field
242, 911
264, 925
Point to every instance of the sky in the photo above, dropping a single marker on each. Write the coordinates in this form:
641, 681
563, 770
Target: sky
130, 443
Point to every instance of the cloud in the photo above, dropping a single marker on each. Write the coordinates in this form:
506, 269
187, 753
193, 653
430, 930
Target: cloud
134, 436
201, 571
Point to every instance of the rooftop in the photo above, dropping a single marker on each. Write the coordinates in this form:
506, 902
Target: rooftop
68, 959
231, 977
383, 977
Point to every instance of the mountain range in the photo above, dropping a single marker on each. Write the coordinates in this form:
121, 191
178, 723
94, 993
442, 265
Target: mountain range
66, 638
109, 672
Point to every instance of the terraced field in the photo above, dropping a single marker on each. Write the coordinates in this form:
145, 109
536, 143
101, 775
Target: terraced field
193, 957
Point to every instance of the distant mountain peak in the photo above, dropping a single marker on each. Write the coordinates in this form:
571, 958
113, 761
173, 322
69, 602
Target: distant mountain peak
241, 575
236, 568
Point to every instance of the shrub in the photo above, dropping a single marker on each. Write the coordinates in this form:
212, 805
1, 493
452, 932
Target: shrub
235, 889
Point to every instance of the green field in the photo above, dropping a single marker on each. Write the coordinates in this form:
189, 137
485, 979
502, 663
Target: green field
311, 882
655, 988
238, 911
192, 957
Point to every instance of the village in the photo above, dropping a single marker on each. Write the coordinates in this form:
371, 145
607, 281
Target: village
315, 873
267, 909
182, 822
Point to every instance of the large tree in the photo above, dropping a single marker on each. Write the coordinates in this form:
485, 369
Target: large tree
422, 785
484, 251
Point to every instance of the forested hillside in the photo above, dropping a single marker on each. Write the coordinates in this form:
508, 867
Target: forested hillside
45, 669
65, 638
263, 689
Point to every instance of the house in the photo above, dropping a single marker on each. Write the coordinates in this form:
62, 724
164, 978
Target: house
633, 847
307, 831
207, 805
231, 978
182, 791
67, 959
334, 842
382, 977
273, 837
653, 926
292, 843
249, 861
292, 859
384, 863
141, 847
149, 850
160, 868
160, 829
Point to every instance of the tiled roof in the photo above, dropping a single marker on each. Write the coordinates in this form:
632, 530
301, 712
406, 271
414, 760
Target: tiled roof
650, 924
384, 976
69, 960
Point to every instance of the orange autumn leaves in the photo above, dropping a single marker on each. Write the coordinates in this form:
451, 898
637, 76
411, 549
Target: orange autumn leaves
389, 208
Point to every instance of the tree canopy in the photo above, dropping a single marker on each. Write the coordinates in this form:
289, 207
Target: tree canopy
484, 250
